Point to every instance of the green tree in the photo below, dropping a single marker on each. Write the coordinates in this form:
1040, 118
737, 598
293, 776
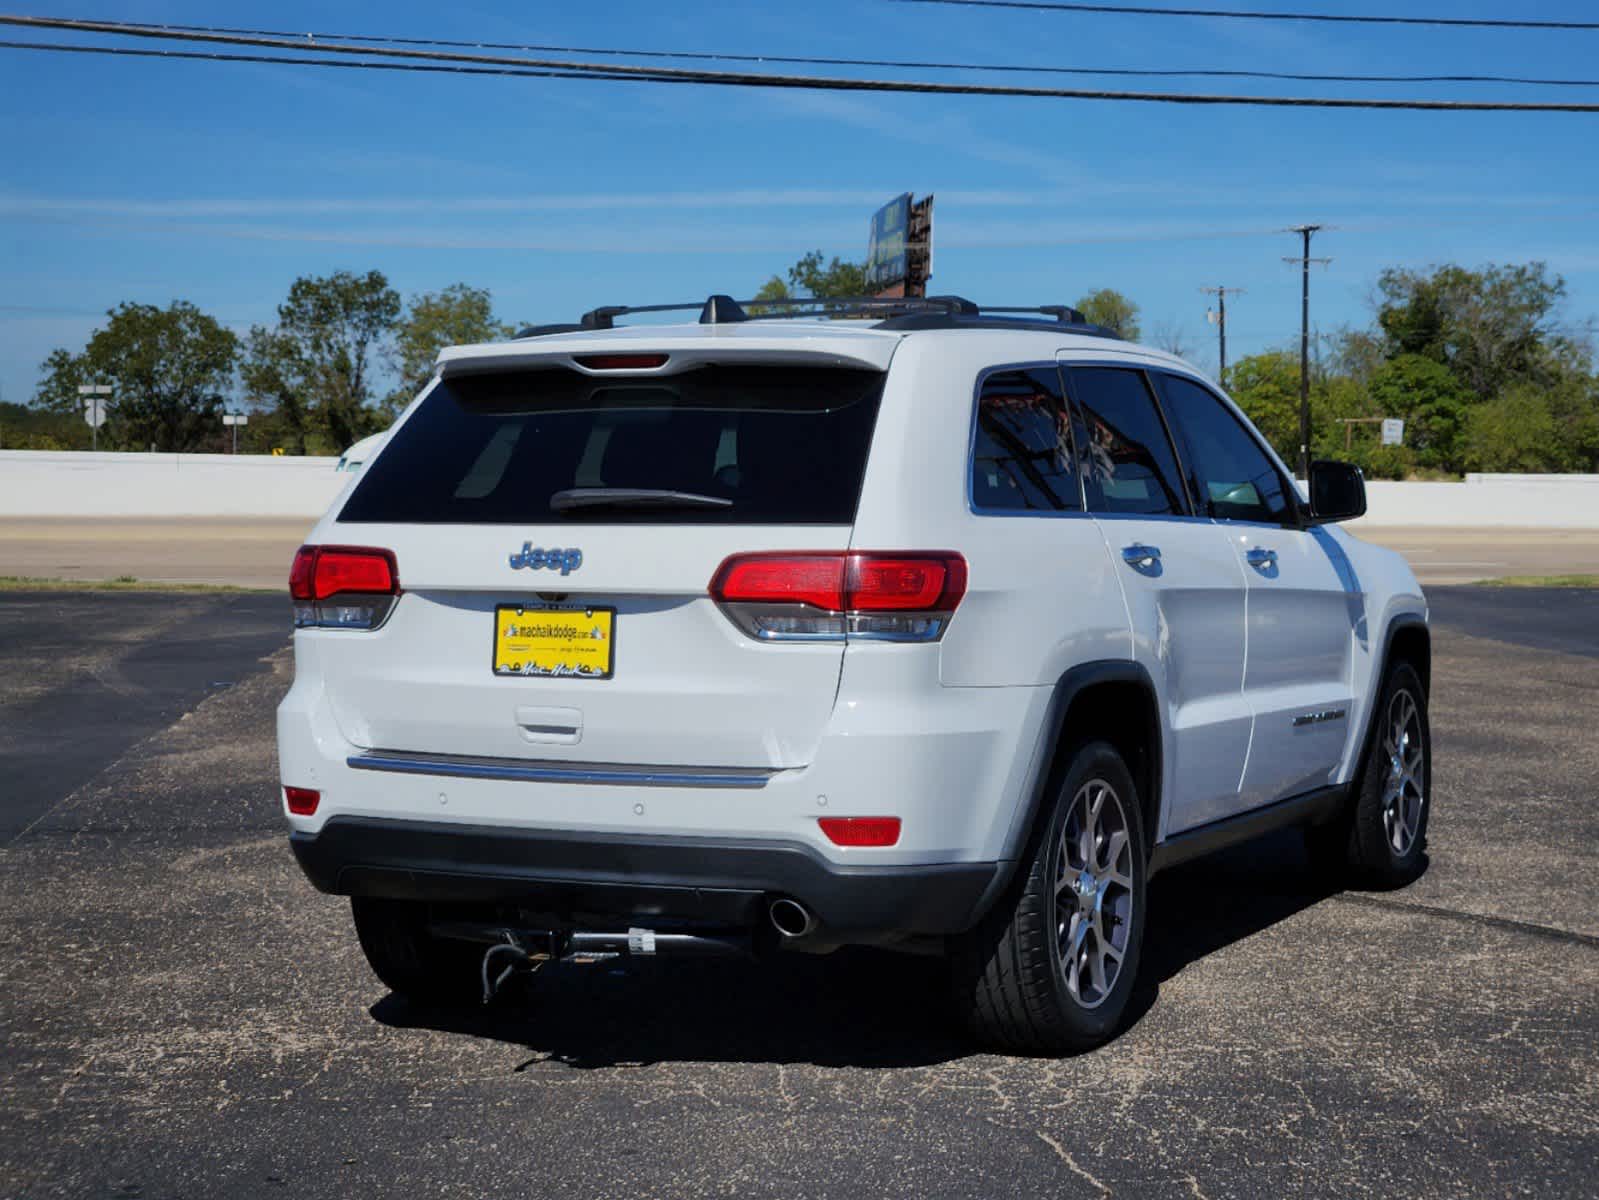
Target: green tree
1266, 387
169, 369
1111, 309
457, 315
773, 289
314, 370
1490, 327
25, 428
1513, 432
1433, 404
812, 277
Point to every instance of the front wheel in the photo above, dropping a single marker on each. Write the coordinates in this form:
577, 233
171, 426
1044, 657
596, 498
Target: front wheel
1382, 835
1051, 968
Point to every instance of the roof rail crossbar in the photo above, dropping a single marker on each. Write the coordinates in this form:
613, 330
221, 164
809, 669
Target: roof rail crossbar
1064, 313
903, 311
955, 305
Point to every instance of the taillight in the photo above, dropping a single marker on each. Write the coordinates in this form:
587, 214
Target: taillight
833, 595
343, 587
860, 831
302, 802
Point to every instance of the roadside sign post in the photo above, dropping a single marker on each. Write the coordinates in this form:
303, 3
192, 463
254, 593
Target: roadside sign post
1393, 432
235, 420
94, 406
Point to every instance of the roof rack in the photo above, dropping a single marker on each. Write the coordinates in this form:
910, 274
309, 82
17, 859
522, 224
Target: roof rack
903, 313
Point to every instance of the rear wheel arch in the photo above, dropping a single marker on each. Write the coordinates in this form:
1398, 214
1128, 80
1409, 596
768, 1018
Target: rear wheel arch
1112, 700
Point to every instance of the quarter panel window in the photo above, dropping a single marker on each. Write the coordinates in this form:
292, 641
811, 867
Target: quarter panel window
1022, 458
1231, 473
1129, 465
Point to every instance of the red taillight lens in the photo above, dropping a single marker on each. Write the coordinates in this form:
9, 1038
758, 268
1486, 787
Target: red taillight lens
894, 596
302, 802
300, 574
815, 579
620, 362
865, 581
860, 831
901, 583
368, 578
354, 569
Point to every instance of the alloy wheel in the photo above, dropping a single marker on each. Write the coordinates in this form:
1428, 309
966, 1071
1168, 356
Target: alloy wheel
1404, 795
1093, 892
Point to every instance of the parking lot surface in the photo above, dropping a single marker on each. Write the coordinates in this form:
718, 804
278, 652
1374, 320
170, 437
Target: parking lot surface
181, 1014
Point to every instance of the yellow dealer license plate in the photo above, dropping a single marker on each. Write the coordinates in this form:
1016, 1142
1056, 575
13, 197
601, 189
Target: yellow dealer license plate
572, 643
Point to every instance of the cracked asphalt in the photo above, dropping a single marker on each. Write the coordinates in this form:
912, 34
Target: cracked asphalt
182, 1015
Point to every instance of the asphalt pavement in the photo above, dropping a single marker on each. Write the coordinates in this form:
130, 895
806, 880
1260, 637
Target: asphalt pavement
182, 1015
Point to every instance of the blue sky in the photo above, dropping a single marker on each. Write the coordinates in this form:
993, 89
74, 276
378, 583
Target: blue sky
220, 183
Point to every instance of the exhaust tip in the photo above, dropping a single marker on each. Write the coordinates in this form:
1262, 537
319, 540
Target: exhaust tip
791, 918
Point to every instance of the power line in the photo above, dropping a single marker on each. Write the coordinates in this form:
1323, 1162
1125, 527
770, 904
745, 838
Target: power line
616, 72
1149, 10
308, 38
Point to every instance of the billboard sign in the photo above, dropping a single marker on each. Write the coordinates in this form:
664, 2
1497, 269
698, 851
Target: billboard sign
887, 261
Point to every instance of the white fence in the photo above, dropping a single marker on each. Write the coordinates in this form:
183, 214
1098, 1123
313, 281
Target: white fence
76, 484
48, 483
1503, 501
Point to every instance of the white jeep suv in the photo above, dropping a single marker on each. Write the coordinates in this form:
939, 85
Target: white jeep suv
904, 624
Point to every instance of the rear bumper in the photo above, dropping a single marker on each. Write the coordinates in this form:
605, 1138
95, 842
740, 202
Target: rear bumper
593, 875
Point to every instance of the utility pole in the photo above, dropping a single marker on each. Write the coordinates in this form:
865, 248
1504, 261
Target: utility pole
1304, 261
1220, 321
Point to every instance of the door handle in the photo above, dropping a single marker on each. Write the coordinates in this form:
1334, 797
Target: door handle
1142, 558
1261, 559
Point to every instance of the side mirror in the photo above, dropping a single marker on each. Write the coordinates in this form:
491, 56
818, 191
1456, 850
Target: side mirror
1337, 491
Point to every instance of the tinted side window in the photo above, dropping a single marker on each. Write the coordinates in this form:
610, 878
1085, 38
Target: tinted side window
1231, 473
1022, 457
1128, 462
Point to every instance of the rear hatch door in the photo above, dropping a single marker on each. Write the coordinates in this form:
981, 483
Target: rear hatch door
556, 524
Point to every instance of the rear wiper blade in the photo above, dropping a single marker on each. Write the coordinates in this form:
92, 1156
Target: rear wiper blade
609, 497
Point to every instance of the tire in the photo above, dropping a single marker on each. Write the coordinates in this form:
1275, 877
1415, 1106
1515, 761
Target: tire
1380, 839
1018, 982
427, 970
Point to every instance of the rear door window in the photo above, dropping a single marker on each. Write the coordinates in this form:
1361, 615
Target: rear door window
1129, 465
1022, 456
768, 444
1231, 474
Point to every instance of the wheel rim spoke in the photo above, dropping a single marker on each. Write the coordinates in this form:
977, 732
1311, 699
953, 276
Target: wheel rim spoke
1404, 797
1093, 892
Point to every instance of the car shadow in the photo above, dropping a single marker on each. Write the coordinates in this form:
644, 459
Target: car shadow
856, 1008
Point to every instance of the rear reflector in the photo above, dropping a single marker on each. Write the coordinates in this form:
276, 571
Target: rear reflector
302, 802
620, 362
898, 595
343, 587
860, 831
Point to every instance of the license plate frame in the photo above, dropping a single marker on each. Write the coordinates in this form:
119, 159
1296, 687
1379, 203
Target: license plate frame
536, 654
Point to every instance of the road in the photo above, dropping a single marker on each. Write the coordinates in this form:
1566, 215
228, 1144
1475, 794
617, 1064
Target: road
181, 1015
256, 552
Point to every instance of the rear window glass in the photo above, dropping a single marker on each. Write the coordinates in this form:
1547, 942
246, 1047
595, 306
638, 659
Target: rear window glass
769, 445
